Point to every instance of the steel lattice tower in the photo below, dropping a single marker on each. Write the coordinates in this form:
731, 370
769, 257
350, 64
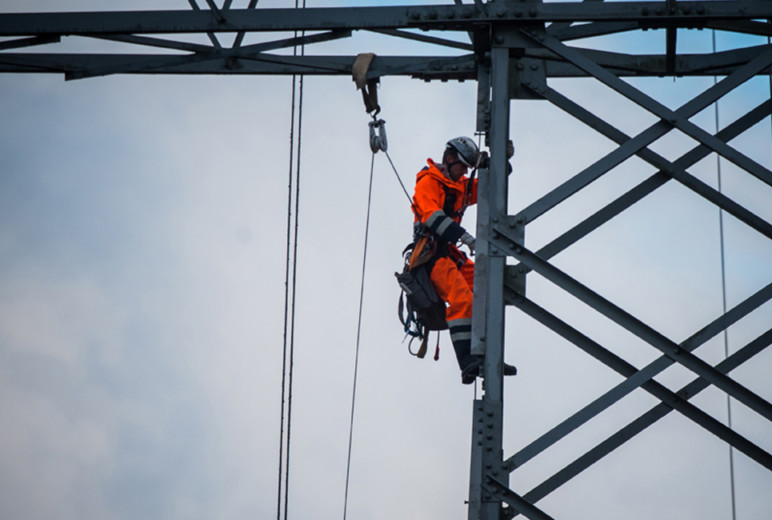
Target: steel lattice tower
516, 48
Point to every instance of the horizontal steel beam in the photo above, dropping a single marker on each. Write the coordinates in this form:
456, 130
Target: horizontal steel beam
79, 65
430, 17
718, 63
208, 60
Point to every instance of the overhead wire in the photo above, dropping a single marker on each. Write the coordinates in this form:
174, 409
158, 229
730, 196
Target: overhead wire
288, 354
289, 315
722, 249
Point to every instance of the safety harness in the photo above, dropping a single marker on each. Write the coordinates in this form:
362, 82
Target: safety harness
420, 309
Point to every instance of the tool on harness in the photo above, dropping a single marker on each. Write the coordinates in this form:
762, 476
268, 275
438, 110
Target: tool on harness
369, 87
420, 309
378, 139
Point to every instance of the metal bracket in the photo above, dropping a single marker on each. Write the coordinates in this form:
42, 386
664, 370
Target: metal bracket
528, 78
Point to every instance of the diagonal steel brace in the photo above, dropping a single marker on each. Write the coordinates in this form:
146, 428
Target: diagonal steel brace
643, 139
630, 323
669, 398
632, 382
644, 421
674, 118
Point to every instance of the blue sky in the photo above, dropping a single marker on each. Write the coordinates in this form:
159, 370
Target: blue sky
142, 273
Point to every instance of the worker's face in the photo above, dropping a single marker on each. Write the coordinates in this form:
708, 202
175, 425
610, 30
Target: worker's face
456, 169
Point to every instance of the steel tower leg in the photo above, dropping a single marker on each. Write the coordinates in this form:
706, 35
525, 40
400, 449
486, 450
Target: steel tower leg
488, 320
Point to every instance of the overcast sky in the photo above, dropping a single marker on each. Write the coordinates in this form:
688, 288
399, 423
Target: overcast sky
142, 256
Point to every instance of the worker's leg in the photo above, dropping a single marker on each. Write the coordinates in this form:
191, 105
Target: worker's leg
461, 326
452, 286
467, 271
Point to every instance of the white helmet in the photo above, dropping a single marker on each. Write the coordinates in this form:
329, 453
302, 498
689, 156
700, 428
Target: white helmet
466, 149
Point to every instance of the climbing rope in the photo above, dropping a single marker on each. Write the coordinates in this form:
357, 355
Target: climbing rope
359, 334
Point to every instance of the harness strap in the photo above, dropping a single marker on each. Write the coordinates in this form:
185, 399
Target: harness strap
424, 251
422, 349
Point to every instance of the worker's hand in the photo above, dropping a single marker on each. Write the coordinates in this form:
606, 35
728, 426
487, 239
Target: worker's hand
485, 161
510, 149
467, 240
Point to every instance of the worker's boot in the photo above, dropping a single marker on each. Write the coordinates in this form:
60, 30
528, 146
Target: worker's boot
472, 370
470, 365
461, 336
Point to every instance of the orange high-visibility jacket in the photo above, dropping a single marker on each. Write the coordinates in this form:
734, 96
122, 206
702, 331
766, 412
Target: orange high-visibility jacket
438, 201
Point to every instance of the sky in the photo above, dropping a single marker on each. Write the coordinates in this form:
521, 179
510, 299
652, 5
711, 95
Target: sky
142, 258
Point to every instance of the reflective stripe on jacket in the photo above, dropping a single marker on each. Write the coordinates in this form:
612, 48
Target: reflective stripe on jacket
438, 200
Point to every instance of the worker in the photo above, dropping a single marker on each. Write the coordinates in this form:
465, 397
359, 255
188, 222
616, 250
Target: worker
442, 193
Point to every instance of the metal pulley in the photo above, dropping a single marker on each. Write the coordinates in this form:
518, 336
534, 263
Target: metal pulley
378, 135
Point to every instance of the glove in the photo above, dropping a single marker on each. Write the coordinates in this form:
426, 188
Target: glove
484, 161
467, 240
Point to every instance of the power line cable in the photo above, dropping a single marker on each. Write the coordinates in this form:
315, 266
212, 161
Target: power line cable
289, 296
290, 278
294, 279
722, 247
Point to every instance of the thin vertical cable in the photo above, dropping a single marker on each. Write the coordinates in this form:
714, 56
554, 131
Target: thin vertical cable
359, 333
287, 293
294, 277
293, 196
722, 247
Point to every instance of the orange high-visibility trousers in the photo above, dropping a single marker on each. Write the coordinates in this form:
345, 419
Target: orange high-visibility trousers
454, 285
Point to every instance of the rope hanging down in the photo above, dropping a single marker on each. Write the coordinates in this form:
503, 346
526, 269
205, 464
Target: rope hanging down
378, 142
359, 334
359, 73
722, 249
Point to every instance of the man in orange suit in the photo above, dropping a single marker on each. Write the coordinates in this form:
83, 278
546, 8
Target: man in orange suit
443, 191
